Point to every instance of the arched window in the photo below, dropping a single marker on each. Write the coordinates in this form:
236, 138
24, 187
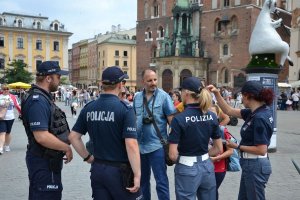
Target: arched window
234, 23
218, 25
148, 34
184, 74
38, 25
146, 10
160, 32
167, 80
155, 9
225, 50
56, 27
20, 23
167, 50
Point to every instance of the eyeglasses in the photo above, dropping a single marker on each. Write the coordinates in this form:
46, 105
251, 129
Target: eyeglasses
5, 89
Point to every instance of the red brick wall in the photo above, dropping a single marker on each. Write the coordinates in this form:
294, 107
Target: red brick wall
144, 48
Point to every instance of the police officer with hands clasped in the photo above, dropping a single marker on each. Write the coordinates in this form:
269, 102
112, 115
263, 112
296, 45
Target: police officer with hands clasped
47, 131
111, 125
190, 133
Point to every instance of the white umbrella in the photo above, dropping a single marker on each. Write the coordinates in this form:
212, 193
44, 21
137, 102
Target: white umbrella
295, 84
93, 87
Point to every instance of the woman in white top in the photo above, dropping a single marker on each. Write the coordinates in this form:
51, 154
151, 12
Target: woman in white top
10, 101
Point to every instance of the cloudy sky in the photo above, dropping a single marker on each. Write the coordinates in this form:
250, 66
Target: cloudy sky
84, 18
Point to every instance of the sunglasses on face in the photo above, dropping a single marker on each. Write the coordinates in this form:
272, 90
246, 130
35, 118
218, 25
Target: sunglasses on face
5, 89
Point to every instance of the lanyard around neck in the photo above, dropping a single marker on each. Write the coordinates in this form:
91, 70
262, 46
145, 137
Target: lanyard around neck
146, 103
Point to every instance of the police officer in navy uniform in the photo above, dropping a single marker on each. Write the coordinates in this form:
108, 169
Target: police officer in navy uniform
256, 134
190, 133
111, 126
47, 131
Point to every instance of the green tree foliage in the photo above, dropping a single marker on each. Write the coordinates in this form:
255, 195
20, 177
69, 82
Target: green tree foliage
64, 80
17, 72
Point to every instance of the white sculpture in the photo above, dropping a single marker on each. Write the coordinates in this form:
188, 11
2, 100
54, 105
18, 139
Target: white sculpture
264, 38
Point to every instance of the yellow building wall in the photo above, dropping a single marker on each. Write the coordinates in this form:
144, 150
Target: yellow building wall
4, 50
22, 51
110, 58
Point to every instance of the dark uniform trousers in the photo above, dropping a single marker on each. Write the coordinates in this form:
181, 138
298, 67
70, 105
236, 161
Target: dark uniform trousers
255, 175
44, 184
107, 184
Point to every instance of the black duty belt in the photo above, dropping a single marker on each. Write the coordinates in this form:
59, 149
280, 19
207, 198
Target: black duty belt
110, 163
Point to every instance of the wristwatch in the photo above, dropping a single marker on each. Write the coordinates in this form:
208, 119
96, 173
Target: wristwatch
87, 158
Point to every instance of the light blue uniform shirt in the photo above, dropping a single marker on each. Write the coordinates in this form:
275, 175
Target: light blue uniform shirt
161, 108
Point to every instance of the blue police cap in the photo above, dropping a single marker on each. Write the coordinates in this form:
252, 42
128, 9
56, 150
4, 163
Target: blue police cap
192, 84
50, 67
113, 75
252, 87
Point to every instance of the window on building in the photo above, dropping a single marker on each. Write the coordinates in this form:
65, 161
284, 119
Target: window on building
214, 4
125, 63
116, 62
103, 63
148, 34
116, 52
226, 3
234, 23
218, 25
38, 62
20, 43
1, 41
103, 53
1, 21
226, 76
225, 50
38, 25
164, 7
55, 46
56, 27
155, 11
2, 63
146, 8
20, 23
161, 32
39, 44
125, 54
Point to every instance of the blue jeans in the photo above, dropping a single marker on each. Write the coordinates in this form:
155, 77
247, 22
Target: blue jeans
156, 161
255, 175
197, 180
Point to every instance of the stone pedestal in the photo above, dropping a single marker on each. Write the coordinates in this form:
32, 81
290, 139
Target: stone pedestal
264, 69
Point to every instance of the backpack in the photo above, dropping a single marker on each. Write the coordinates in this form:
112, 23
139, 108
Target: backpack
233, 162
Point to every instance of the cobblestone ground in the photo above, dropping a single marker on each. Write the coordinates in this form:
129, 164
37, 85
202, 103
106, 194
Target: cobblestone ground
283, 184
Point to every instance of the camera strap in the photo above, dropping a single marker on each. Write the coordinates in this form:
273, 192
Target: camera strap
162, 141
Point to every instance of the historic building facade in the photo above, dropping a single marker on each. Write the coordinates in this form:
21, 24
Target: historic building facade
32, 39
91, 56
169, 40
213, 34
294, 72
